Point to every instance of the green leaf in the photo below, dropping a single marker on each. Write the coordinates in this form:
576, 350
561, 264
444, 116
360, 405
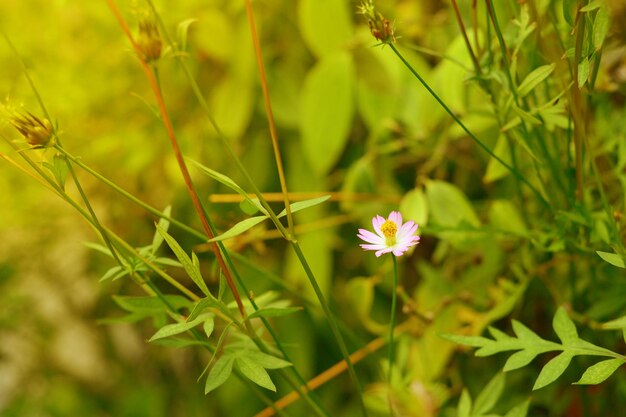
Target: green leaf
255, 372
583, 72
327, 110
150, 305
600, 27
274, 312
59, 168
208, 326
414, 206
534, 79
489, 396
495, 170
301, 205
564, 327
599, 372
475, 341
612, 258
520, 410
569, 10
265, 360
227, 181
595, 4
465, 404
239, 228
163, 224
524, 333
219, 374
181, 33
520, 359
448, 205
619, 323
192, 270
326, 25
553, 369
176, 328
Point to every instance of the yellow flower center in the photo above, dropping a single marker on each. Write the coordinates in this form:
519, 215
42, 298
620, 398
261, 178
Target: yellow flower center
389, 229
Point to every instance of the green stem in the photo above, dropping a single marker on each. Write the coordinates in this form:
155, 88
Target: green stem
392, 325
332, 322
484, 147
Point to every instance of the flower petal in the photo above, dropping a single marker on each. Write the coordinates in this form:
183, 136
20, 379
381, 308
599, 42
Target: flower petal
396, 217
370, 237
372, 247
385, 250
377, 222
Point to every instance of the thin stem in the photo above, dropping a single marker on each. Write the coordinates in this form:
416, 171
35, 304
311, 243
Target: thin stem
332, 322
465, 38
513, 171
131, 197
179, 157
392, 325
270, 115
577, 103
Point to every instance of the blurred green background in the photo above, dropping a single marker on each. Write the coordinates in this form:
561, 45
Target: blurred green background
351, 121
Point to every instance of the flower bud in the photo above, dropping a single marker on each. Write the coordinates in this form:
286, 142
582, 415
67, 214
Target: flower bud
37, 132
149, 40
380, 27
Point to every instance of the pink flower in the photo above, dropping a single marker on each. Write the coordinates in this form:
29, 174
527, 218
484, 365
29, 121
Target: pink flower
391, 235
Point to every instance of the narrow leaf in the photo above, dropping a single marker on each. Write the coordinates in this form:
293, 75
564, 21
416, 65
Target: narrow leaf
534, 79
192, 270
163, 224
274, 312
265, 360
612, 258
564, 327
599, 372
523, 332
239, 228
583, 72
465, 405
553, 370
489, 396
219, 373
600, 27
475, 341
520, 410
619, 323
208, 326
175, 328
301, 205
255, 373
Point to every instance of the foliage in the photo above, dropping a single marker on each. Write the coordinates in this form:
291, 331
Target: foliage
496, 126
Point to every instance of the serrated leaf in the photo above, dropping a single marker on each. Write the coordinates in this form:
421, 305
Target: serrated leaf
489, 395
176, 328
523, 332
533, 79
612, 258
325, 127
219, 373
265, 360
192, 270
255, 372
552, 370
599, 372
274, 312
520, 359
564, 327
475, 341
164, 224
465, 405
